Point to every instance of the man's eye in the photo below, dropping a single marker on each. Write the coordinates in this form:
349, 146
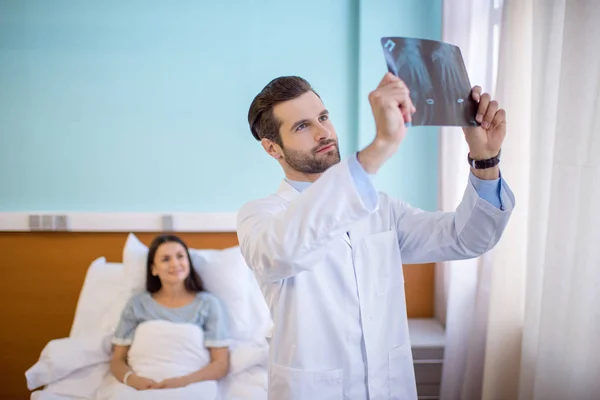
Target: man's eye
300, 127
323, 118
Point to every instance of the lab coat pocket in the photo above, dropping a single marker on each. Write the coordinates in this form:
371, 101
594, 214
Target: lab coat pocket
295, 384
401, 374
384, 257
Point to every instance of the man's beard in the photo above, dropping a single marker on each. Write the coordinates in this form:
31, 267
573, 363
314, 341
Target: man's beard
313, 163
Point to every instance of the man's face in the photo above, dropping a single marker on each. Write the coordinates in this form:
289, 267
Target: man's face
309, 140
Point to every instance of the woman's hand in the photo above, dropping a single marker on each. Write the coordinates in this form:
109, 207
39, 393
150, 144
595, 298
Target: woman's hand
173, 383
141, 383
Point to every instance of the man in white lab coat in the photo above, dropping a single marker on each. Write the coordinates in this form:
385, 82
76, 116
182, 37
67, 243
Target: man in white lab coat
327, 249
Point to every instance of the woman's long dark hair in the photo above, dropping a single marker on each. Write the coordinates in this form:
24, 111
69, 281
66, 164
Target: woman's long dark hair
192, 283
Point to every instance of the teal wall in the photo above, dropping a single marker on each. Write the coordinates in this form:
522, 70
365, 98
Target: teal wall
141, 105
412, 174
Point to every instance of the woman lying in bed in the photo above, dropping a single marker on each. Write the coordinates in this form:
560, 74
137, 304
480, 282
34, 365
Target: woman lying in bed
175, 334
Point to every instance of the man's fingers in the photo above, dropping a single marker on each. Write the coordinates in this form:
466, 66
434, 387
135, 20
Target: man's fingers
387, 79
482, 108
407, 107
476, 93
499, 118
396, 90
393, 92
399, 96
489, 115
391, 82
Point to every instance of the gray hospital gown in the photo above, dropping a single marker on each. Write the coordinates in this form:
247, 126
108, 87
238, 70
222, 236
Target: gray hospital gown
205, 310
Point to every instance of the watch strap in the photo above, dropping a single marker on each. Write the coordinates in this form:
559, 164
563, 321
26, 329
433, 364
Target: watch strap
484, 164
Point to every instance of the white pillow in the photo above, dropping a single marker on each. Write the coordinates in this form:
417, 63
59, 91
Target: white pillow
114, 309
100, 287
135, 254
224, 274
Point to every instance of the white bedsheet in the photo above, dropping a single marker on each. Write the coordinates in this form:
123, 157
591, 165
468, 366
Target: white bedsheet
248, 385
78, 367
163, 350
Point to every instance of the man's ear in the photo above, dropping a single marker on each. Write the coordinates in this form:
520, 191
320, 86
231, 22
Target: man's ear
272, 148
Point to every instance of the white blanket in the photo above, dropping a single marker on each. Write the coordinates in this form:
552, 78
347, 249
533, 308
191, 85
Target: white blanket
163, 350
78, 367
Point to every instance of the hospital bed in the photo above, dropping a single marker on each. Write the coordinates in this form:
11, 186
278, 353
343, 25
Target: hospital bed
75, 367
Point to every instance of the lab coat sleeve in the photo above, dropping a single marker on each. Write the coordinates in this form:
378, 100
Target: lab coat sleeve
488, 189
279, 241
473, 229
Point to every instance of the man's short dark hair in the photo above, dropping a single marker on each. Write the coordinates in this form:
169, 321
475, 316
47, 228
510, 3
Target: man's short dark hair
263, 123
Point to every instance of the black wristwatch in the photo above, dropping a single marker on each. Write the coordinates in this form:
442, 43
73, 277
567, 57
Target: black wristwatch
483, 164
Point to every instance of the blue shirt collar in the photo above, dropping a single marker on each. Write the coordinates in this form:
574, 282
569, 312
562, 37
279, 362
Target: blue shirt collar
299, 186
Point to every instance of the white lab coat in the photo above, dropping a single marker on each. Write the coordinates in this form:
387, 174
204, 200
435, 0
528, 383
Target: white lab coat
330, 267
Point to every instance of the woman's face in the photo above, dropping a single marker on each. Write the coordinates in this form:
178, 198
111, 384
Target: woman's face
171, 264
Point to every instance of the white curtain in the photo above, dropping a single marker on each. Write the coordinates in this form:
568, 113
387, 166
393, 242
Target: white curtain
542, 324
509, 259
561, 331
462, 287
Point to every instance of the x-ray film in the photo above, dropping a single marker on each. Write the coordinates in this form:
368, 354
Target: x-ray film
437, 78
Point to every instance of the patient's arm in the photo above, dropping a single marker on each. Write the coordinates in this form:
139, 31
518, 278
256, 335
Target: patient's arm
216, 369
119, 367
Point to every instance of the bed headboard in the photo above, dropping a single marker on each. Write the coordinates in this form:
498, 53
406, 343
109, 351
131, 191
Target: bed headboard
42, 275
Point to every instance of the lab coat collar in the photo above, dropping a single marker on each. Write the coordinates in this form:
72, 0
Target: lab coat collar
287, 192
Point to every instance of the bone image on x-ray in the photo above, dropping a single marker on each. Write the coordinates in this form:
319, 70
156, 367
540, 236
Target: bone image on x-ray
453, 79
410, 65
437, 79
